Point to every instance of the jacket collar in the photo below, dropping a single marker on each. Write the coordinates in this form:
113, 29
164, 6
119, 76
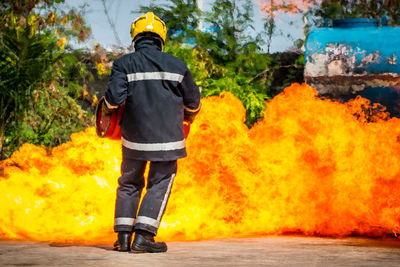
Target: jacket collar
146, 42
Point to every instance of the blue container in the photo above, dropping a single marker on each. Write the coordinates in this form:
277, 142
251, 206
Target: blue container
354, 54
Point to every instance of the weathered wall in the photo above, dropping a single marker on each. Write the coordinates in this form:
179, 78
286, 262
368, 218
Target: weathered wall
342, 63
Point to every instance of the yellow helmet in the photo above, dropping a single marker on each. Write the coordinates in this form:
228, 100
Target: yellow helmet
149, 23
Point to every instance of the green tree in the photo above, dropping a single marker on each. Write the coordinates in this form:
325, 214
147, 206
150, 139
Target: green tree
338, 9
32, 39
230, 24
180, 16
233, 44
392, 8
25, 62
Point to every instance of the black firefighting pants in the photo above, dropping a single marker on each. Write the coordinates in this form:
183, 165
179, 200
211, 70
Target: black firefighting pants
131, 183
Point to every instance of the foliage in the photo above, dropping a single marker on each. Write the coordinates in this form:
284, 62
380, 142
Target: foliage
230, 24
180, 16
32, 56
36, 16
214, 79
253, 101
49, 120
337, 9
25, 63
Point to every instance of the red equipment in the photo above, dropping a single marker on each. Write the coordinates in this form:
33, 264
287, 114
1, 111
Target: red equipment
186, 128
108, 125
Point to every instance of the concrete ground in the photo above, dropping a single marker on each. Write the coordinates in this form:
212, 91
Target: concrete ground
267, 251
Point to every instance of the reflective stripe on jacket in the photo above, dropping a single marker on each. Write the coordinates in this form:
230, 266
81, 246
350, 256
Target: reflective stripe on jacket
157, 88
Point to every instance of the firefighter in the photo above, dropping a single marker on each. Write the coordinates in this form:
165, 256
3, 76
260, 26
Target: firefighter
159, 94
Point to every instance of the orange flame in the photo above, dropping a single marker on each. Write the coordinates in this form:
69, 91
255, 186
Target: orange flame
309, 167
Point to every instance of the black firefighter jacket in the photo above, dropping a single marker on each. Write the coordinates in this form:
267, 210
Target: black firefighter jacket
157, 88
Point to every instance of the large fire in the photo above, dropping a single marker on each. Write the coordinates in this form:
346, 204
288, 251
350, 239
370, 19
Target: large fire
310, 167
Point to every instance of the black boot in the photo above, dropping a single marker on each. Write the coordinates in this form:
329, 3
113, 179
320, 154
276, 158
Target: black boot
123, 244
144, 242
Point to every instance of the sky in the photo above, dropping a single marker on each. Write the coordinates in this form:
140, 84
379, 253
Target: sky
121, 14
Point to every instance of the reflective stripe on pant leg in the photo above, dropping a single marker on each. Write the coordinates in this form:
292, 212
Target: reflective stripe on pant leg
148, 221
124, 221
145, 220
156, 222
166, 196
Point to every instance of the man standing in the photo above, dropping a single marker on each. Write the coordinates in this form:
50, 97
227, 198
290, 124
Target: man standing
159, 94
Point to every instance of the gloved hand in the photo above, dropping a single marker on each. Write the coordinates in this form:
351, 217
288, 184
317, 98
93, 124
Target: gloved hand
186, 128
190, 114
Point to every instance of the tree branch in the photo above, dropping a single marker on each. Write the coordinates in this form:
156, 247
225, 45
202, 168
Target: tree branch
114, 29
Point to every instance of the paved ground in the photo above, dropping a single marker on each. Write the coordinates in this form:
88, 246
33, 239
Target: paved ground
268, 251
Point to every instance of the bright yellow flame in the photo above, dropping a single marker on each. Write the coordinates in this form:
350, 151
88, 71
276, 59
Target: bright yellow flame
309, 167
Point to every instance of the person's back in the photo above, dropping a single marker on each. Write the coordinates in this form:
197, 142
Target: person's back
159, 94
156, 85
